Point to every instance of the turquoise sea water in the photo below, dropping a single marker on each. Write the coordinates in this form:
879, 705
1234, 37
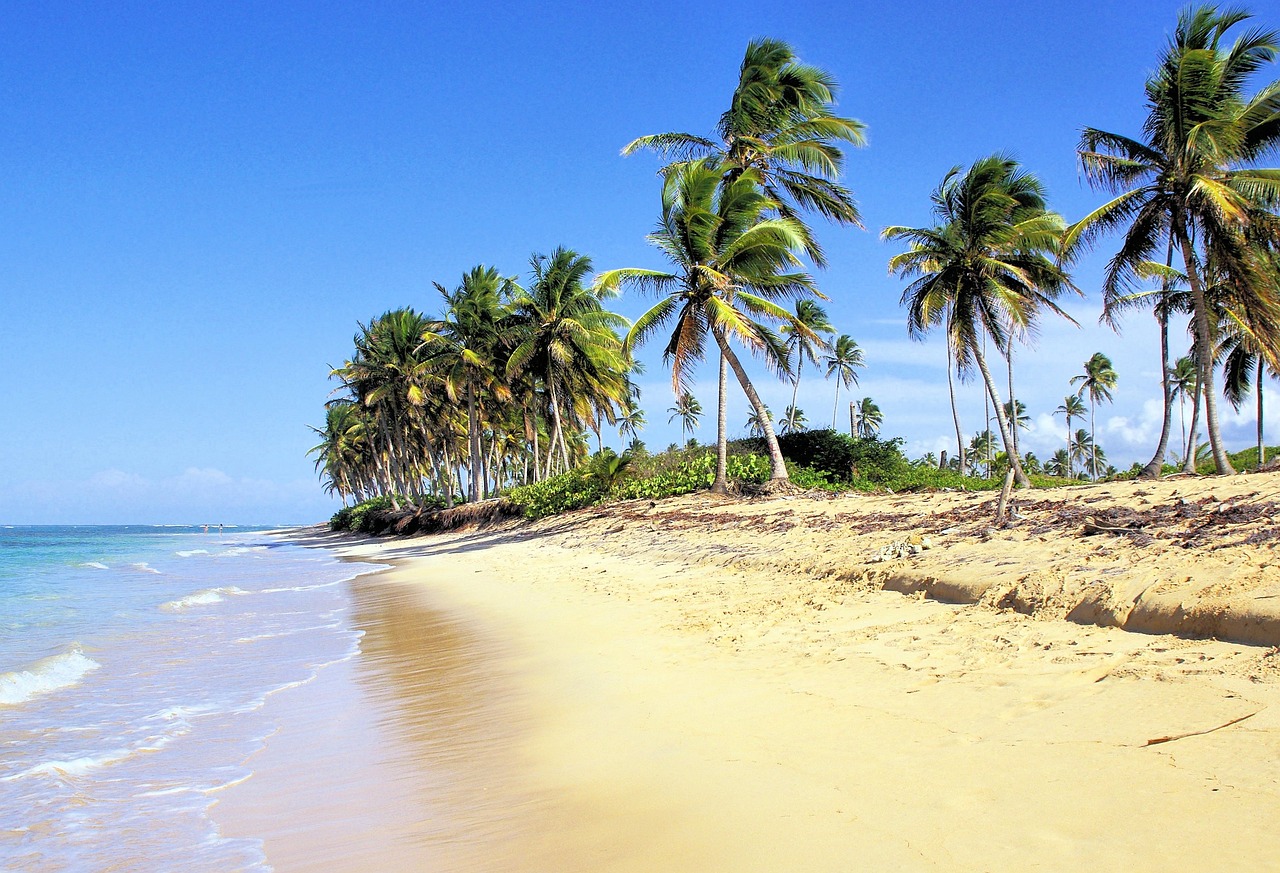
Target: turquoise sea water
134, 662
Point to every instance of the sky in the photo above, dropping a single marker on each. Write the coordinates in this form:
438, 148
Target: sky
201, 202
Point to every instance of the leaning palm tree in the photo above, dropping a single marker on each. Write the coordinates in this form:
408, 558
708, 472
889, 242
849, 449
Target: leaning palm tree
868, 417
1192, 182
781, 124
986, 270
843, 363
688, 410
1072, 407
1098, 380
803, 338
734, 257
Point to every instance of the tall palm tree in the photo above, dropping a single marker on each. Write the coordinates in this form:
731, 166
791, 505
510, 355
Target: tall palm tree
688, 410
466, 347
567, 339
1072, 407
1083, 451
1192, 183
843, 363
803, 337
1182, 382
1098, 380
987, 269
734, 257
869, 418
781, 124
1244, 366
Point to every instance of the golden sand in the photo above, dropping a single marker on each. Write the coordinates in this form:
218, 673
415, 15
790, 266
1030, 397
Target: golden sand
705, 685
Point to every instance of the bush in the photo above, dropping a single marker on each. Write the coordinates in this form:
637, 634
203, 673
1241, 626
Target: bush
572, 490
842, 458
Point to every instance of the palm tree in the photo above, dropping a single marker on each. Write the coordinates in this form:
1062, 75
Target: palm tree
987, 269
1182, 382
843, 363
793, 421
465, 346
732, 253
566, 338
631, 422
982, 445
1059, 464
688, 410
757, 419
780, 124
1083, 450
868, 417
1072, 407
1244, 361
1098, 380
1192, 182
803, 340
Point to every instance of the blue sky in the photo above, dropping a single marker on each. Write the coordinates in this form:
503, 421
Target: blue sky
200, 203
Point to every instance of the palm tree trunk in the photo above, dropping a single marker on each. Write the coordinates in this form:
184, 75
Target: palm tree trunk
475, 461
721, 483
1189, 459
955, 412
1262, 450
1013, 403
1070, 464
1001, 421
1093, 440
835, 410
795, 390
1155, 466
853, 419
778, 464
1204, 355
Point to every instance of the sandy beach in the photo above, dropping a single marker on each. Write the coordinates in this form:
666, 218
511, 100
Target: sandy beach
740, 685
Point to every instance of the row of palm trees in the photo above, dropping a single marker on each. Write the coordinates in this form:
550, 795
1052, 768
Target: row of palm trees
506, 383
997, 258
502, 388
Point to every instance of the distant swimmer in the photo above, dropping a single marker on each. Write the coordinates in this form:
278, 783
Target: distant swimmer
206, 528
219, 530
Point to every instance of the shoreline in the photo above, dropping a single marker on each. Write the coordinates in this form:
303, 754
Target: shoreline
708, 685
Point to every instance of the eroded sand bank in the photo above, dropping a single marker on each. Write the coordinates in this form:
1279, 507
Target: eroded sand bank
724, 686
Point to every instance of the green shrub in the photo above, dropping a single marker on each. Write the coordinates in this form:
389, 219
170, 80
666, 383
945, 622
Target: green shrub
572, 490
359, 517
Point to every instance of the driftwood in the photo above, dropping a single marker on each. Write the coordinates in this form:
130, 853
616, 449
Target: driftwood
1093, 526
1158, 740
1002, 514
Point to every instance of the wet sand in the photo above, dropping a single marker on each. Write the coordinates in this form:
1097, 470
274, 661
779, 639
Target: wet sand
655, 693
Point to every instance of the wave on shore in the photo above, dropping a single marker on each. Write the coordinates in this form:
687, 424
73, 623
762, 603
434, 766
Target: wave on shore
46, 675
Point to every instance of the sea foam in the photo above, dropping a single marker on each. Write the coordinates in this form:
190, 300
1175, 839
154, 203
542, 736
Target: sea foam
45, 675
202, 598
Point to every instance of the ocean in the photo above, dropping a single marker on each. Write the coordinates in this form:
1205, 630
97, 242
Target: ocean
135, 663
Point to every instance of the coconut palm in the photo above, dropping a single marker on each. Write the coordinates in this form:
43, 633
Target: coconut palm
631, 422
567, 340
1182, 382
466, 346
1192, 183
1098, 380
982, 445
843, 363
988, 269
794, 420
1072, 407
868, 417
757, 419
780, 124
688, 410
1059, 464
734, 257
1083, 451
803, 339
1244, 367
